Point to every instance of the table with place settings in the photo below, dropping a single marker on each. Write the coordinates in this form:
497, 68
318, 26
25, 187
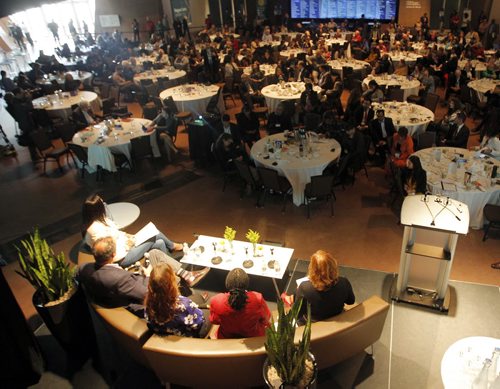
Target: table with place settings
101, 142
193, 97
409, 85
288, 162
412, 116
447, 169
175, 76
295, 52
267, 69
483, 86
59, 104
275, 93
355, 64
409, 57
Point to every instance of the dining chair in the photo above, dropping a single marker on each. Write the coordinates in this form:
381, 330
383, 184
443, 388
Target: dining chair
151, 89
82, 156
426, 140
227, 91
141, 149
48, 151
312, 121
66, 131
149, 111
396, 94
431, 101
492, 213
320, 187
228, 170
272, 182
183, 116
249, 180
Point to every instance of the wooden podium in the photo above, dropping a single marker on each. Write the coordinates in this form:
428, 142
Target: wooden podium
432, 225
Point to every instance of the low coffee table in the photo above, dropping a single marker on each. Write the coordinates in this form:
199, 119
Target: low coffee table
217, 253
123, 214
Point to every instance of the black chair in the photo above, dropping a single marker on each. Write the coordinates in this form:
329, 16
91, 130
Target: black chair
163, 83
48, 151
426, 140
66, 131
213, 104
228, 170
227, 91
492, 213
81, 154
151, 89
341, 172
146, 81
312, 121
431, 101
320, 187
183, 116
149, 111
141, 149
111, 109
248, 179
271, 181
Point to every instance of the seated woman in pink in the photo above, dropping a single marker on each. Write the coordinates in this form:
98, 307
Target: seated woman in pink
402, 147
240, 313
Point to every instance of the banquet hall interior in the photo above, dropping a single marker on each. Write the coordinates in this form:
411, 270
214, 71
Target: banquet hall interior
182, 185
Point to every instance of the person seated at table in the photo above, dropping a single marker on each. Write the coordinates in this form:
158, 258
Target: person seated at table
97, 224
278, 121
402, 147
309, 100
401, 68
256, 76
454, 105
354, 108
300, 72
248, 122
489, 72
490, 143
70, 84
225, 126
382, 131
373, 93
240, 313
227, 151
167, 312
414, 176
165, 124
427, 83
83, 116
456, 81
458, 134
324, 290
126, 86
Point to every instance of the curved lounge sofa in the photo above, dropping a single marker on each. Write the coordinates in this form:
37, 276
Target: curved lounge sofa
230, 363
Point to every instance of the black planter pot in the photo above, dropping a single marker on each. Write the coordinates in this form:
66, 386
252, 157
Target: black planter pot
70, 323
310, 385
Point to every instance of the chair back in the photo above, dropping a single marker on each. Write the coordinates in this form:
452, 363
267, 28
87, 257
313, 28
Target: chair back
426, 140
228, 85
244, 171
347, 71
213, 104
312, 121
41, 141
41, 118
169, 102
396, 94
151, 89
162, 83
269, 179
66, 131
321, 186
149, 111
341, 169
114, 93
141, 147
431, 101
146, 81
79, 151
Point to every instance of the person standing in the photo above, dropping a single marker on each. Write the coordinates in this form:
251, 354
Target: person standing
54, 29
492, 34
185, 28
135, 29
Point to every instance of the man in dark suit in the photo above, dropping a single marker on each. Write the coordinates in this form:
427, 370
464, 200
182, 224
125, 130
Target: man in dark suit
381, 130
226, 127
456, 81
210, 61
458, 134
110, 285
278, 121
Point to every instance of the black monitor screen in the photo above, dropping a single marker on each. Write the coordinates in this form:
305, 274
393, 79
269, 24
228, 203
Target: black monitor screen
344, 9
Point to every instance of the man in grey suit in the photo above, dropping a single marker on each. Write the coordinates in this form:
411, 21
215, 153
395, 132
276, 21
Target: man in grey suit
110, 285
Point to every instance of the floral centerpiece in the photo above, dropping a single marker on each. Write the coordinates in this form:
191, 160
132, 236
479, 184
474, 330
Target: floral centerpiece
254, 238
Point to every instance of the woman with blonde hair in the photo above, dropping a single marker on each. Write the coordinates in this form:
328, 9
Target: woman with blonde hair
324, 289
167, 312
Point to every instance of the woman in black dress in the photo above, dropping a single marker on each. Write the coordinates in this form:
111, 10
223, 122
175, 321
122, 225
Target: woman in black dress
415, 177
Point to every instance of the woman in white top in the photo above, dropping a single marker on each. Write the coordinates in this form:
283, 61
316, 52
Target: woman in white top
96, 224
490, 143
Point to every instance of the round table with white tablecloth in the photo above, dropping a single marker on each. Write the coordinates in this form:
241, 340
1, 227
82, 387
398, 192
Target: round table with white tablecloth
295, 52
463, 360
59, 105
271, 43
409, 57
223, 36
298, 170
101, 146
410, 87
193, 97
478, 66
275, 93
267, 69
447, 178
483, 86
355, 64
84, 77
412, 116
175, 77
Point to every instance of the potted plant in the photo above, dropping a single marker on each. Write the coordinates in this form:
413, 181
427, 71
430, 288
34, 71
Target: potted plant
289, 365
57, 297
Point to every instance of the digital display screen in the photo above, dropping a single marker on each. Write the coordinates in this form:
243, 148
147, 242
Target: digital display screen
343, 9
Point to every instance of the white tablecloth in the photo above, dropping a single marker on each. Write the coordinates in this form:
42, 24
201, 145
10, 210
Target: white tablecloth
483, 86
118, 141
84, 77
412, 116
477, 65
193, 97
295, 52
175, 76
61, 107
268, 70
463, 361
296, 169
410, 87
409, 57
272, 43
355, 64
475, 197
274, 93
235, 36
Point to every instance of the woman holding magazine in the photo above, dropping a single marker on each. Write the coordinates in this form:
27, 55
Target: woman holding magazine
97, 224
323, 288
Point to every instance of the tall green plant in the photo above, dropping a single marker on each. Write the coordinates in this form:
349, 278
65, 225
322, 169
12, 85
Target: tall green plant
50, 274
287, 357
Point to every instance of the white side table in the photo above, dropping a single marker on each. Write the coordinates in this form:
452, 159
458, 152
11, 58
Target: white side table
123, 214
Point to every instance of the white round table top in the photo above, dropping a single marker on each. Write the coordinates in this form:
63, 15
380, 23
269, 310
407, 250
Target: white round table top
407, 56
267, 69
123, 214
289, 91
172, 74
145, 58
269, 43
439, 173
52, 102
420, 47
477, 65
355, 64
235, 36
393, 79
405, 114
77, 75
335, 41
323, 152
124, 130
463, 361
484, 85
189, 92
295, 52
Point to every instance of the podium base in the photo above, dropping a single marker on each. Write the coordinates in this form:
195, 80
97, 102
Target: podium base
424, 298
